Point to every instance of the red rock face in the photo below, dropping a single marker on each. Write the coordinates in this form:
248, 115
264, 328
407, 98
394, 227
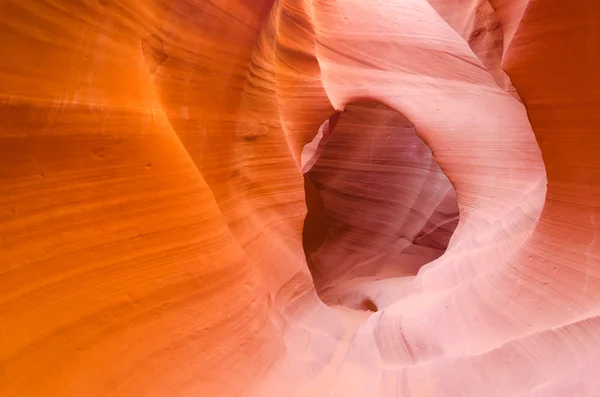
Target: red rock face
157, 160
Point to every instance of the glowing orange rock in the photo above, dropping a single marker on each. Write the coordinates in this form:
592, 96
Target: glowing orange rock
153, 205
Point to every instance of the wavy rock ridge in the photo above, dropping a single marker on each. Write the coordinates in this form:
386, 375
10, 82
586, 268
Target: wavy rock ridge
157, 159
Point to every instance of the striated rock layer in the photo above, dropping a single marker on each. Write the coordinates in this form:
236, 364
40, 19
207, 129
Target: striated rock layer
157, 159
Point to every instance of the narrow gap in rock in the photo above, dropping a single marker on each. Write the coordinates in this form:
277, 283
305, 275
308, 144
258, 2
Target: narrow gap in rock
369, 305
379, 206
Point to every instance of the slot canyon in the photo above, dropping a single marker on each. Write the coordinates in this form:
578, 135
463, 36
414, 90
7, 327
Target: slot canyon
299, 198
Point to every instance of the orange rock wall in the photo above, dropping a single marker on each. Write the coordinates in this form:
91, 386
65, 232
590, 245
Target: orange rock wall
152, 198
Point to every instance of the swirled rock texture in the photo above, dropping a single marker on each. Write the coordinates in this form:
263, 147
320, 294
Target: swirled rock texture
157, 159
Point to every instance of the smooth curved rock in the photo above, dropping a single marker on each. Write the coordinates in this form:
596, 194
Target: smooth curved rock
153, 203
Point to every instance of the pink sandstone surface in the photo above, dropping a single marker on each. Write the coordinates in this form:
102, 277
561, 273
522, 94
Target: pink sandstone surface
301, 198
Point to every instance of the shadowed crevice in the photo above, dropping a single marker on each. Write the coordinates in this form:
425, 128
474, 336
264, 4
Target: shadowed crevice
378, 204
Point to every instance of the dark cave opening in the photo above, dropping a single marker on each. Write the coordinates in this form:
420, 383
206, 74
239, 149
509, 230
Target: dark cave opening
378, 204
